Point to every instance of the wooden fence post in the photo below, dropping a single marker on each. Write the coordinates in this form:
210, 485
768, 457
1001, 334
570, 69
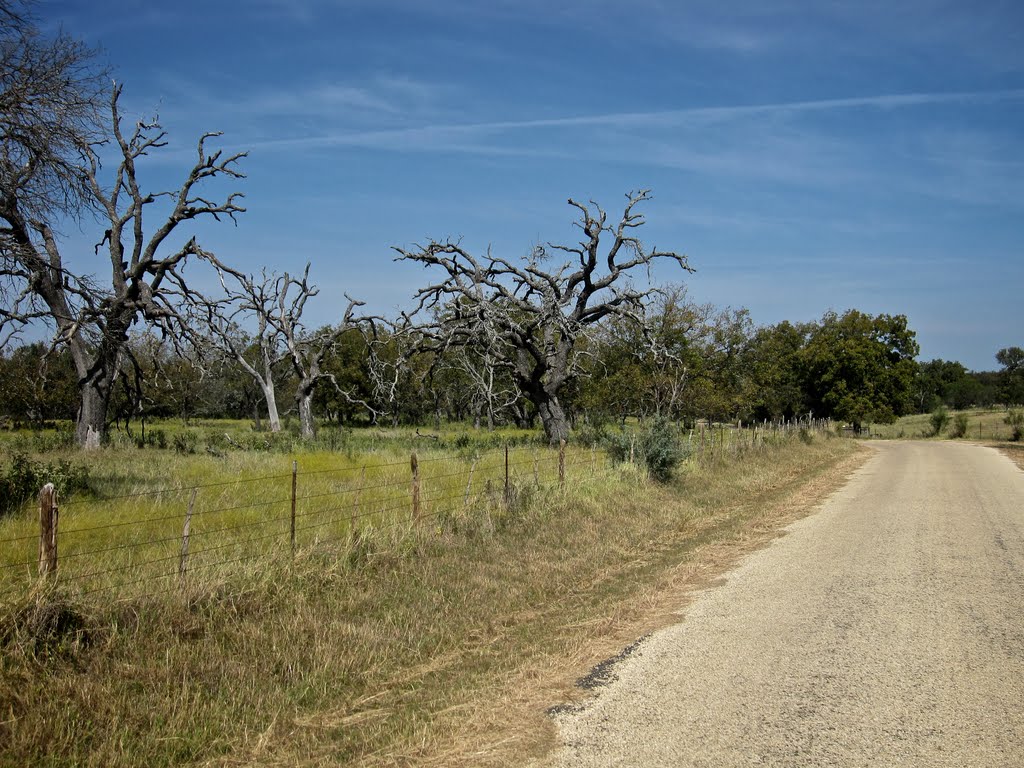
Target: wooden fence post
183, 560
561, 463
295, 478
415, 464
47, 530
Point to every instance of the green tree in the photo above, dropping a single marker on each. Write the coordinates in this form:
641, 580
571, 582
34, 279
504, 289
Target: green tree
38, 384
860, 368
944, 382
1011, 377
774, 359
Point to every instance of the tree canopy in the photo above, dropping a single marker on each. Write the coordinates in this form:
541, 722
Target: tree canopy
860, 368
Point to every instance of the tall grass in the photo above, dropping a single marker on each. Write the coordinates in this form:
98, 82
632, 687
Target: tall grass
124, 537
377, 640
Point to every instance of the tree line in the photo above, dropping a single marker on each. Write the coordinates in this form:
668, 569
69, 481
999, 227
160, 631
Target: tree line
569, 332
706, 363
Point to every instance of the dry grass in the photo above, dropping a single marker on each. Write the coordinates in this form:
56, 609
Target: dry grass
982, 424
1015, 451
440, 643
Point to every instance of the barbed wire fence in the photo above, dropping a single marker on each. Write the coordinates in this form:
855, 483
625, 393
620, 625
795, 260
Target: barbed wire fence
158, 540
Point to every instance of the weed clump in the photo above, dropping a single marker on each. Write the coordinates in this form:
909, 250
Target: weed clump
939, 420
959, 427
44, 625
186, 442
1015, 420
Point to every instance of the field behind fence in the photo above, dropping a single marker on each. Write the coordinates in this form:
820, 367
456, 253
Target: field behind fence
149, 541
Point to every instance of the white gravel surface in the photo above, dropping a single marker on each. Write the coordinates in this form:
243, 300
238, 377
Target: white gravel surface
886, 629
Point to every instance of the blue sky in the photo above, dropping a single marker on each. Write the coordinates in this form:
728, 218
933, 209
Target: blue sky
806, 156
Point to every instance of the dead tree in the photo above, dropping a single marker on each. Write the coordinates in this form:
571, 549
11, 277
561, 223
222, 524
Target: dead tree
247, 302
146, 283
389, 354
307, 350
481, 365
274, 305
539, 313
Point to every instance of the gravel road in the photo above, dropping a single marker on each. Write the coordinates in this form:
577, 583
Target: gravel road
886, 629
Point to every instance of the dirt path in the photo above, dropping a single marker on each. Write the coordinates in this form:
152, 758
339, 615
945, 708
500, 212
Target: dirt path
886, 629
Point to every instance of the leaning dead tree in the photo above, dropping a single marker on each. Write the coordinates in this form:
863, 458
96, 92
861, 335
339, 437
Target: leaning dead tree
537, 314
93, 319
273, 305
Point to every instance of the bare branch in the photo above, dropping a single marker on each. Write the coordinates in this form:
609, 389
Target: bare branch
529, 316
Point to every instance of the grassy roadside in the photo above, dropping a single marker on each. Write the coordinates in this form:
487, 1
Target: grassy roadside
982, 424
442, 644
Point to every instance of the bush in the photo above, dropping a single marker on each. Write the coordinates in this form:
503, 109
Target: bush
591, 434
186, 441
939, 420
1015, 419
662, 450
25, 476
619, 445
959, 428
659, 447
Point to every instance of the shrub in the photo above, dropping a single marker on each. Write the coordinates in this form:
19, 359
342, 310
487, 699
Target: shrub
186, 441
959, 428
662, 450
939, 419
591, 434
618, 445
658, 447
1015, 419
25, 476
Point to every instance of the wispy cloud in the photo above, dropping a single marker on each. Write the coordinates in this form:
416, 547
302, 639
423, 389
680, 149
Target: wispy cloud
407, 138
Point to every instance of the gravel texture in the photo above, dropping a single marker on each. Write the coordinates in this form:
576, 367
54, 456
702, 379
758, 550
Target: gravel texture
886, 629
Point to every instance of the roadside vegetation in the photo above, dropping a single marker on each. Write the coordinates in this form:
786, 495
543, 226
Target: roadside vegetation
290, 544
372, 649
980, 424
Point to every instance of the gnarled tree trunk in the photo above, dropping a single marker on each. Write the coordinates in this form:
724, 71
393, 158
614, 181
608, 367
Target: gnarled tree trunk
91, 423
304, 402
552, 417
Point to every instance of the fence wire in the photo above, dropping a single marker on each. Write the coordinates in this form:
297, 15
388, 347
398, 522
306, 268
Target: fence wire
305, 504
